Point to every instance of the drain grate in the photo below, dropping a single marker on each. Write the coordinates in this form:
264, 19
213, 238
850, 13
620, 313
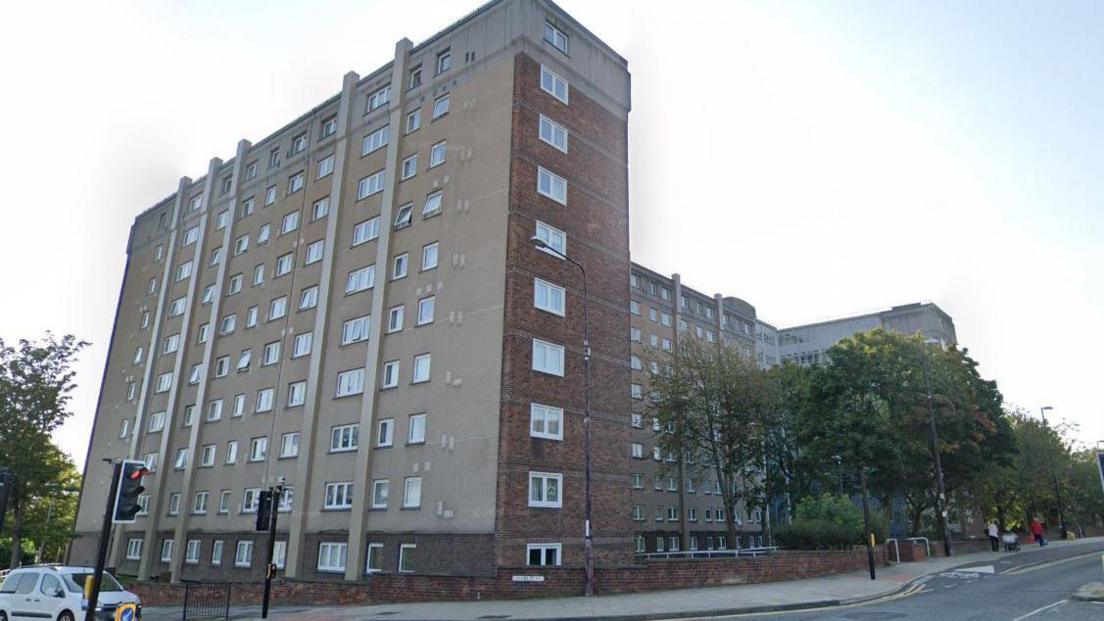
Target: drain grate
494, 617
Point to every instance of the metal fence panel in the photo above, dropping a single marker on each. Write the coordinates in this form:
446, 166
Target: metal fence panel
206, 600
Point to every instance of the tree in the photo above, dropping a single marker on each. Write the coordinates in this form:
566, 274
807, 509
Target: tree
712, 404
36, 379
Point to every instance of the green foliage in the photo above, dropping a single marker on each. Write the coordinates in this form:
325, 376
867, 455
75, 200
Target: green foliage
838, 510
817, 535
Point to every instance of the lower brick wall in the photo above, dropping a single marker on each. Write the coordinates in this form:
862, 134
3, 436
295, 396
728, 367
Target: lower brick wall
648, 576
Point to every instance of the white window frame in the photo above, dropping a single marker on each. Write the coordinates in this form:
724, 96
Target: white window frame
541, 479
553, 133
545, 296
544, 354
557, 185
539, 417
550, 82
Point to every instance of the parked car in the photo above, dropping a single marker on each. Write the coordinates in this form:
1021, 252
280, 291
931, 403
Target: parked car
52, 592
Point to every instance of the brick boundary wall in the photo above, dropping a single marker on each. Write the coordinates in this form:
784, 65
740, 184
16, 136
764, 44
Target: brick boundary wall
654, 575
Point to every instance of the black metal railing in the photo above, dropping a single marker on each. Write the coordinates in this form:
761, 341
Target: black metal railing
206, 600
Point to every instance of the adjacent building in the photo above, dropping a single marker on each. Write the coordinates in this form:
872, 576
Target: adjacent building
807, 344
353, 307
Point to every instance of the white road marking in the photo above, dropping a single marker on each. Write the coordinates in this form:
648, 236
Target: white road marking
981, 569
1038, 610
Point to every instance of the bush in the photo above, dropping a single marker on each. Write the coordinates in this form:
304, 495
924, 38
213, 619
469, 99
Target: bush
828, 522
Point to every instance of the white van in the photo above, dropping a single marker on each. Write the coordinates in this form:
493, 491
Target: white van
53, 593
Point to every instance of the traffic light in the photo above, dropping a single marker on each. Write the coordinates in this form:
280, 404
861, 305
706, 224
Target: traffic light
264, 509
130, 488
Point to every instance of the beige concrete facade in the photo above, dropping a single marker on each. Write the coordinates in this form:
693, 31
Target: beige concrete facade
226, 277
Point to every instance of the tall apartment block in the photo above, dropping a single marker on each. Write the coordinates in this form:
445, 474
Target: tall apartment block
669, 500
353, 306
806, 344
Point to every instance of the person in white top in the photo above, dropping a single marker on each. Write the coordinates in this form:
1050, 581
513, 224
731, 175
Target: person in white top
994, 536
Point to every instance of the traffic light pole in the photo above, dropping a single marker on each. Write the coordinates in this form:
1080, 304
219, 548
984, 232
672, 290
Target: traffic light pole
270, 568
105, 534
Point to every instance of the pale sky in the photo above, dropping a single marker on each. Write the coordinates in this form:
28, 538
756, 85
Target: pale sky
816, 159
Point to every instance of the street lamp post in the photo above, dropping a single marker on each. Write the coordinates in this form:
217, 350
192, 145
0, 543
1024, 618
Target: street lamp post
941, 500
1054, 475
588, 532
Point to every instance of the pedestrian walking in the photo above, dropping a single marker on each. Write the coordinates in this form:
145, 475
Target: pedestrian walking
994, 536
1037, 532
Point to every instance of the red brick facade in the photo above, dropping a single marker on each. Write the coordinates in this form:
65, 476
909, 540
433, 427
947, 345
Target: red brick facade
595, 220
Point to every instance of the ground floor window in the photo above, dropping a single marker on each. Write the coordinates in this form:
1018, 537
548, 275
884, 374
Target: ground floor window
541, 554
406, 557
332, 556
375, 558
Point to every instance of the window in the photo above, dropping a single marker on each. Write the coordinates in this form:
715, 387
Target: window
406, 557
425, 310
544, 489
239, 406
395, 319
339, 495
195, 373
289, 223
248, 206
375, 558
320, 209
332, 556
548, 358
637, 480
404, 215
134, 549
295, 182
415, 77
258, 449
176, 307
124, 428
636, 391
241, 244
545, 421
390, 374
298, 144
258, 274
151, 461
216, 256
409, 167
553, 84
366, 231
263, 234
421, 369
208, 294
350, 382
416, 430
413, 121
555, 238
329, 127
158, 252
542, 554
360, 279
164, 382
636, 363
302, 344
344, 438
375, 140
243, 556
172, 342
429, 255
548, 297
370, 185
207, 456
250, 499
174, 502
156, 422
297, 394
166, 551
380, 489
216, 552
199, 503
553, 133
557, 38
197, 202
308, 298
184, 271
354, 330
283, 265
399, 266
232, 452
384, 432
440, 107
379, 98
444, 61
190, 236
251, 315
289, 444
551, 185
433, 204
265, 397
271, 353
152, 286
314, 252
638, 450
412, 492
235, 285
277, 308
437, 154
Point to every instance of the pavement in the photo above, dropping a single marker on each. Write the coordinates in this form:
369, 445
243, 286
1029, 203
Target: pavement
842, 590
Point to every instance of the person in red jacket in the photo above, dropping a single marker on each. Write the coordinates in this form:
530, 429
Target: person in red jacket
1037, 531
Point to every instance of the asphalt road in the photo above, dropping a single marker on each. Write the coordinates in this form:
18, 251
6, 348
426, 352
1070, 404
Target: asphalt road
1033, 585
